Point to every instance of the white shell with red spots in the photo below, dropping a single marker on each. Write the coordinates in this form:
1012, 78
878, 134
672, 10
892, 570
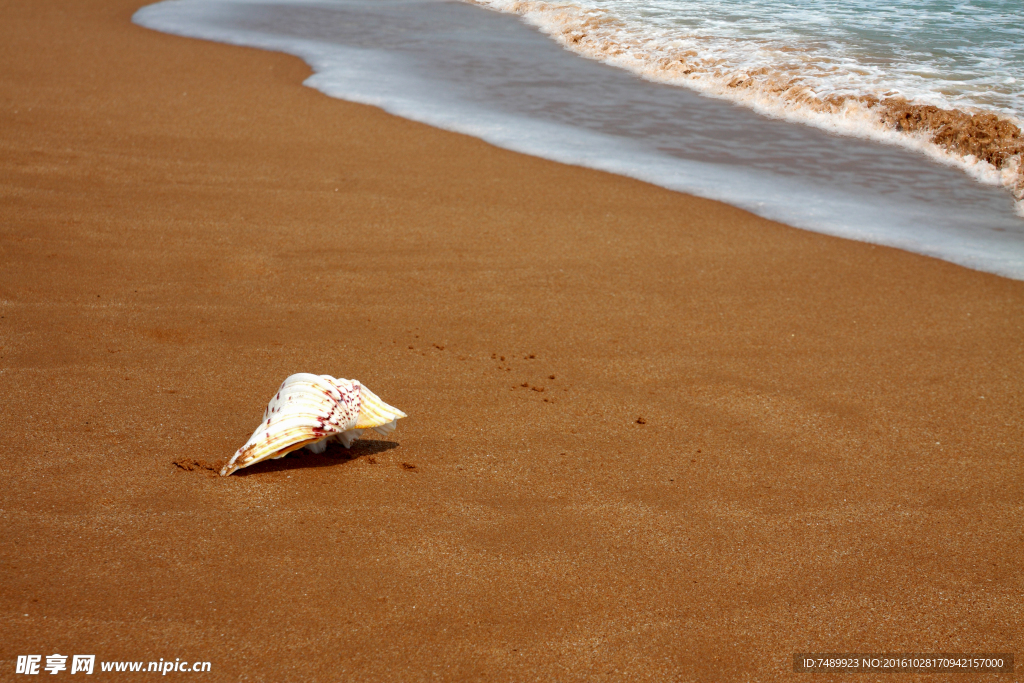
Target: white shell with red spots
308, 410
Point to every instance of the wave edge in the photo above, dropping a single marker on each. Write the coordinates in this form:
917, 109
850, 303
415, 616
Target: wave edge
987, 145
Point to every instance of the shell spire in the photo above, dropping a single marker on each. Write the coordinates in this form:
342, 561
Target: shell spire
310, 410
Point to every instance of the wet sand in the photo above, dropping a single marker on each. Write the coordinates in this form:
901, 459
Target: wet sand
651, 437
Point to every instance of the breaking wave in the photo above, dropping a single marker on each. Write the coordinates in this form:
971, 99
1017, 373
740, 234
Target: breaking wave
801, 79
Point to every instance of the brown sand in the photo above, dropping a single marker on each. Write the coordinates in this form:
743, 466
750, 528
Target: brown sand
829, 457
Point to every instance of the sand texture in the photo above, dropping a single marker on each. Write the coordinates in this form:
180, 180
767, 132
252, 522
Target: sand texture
650, 437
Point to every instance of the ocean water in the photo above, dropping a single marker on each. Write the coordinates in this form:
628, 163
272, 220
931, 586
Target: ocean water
950, 53
836, 64
599, 85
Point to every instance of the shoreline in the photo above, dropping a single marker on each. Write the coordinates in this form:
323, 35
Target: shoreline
983, 142
855, 187
829, 444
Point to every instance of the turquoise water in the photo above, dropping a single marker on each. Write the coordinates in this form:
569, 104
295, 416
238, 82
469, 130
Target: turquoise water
458, 66
825, 63
950, 54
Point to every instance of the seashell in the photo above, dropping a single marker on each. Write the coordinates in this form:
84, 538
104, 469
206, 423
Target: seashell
309, 411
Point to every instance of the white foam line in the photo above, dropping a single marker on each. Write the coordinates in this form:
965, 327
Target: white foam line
616, 46
376, 78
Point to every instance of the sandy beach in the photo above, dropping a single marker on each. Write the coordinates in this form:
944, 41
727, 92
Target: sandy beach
651, 437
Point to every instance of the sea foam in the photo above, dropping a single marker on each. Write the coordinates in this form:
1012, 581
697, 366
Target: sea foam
461, 68
850, 67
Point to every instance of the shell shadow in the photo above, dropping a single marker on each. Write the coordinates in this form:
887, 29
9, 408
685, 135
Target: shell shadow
336, 454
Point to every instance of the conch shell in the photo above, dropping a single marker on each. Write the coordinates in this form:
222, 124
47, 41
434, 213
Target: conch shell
310, 410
